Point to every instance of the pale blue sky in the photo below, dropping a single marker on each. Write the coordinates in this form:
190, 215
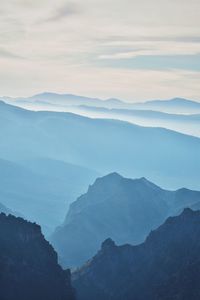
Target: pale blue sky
129, 49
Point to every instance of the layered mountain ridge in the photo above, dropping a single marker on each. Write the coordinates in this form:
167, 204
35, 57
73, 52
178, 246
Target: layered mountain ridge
179, 105
123, 209
142, 150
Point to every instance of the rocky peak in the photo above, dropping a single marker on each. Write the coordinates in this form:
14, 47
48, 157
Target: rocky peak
108, 244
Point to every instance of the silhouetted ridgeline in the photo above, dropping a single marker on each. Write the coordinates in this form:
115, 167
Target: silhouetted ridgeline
166, 266
168, 158
28, 264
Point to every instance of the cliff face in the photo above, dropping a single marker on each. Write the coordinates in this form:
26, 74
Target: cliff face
166, 266
28, 264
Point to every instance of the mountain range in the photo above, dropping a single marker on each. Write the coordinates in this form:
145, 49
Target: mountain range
53, 100
175, 105
166, 157
166, 266
50, 155
60, 101
184, 123
177, 114
123, 209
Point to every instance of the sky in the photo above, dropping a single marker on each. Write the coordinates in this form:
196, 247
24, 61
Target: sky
127, 49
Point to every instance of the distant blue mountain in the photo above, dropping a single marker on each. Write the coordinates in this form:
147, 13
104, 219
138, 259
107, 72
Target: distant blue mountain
168, 158
144, 113
176, 105
53, 100
125, 210
63, 100
177, 114
175, 102
184, 123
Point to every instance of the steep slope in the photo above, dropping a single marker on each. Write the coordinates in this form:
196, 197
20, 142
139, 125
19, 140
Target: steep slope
42, 189
124, 209
29, 268
165, 157
166, 266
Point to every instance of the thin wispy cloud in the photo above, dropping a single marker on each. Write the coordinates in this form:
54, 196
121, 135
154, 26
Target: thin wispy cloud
9, 55
155, 48
62, 12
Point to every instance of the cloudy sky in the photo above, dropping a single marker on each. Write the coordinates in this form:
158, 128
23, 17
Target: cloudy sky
128, 49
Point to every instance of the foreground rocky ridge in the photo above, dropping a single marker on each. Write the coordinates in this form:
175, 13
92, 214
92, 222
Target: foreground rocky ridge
28, 264
166, 266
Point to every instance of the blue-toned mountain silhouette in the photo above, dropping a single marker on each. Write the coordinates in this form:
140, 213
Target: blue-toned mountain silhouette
29, 267
168, 158
125, 210
166, 266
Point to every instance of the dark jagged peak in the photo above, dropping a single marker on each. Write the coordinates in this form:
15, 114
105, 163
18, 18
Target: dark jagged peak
108, 244
29, 267
189, 212
10, 222
166, 266
183, 224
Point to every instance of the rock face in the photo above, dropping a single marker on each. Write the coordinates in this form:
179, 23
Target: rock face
125, 210
28, 264
166, 266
